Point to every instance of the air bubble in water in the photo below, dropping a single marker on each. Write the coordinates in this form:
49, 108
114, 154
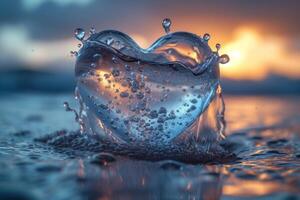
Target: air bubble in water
79, 34
166, 23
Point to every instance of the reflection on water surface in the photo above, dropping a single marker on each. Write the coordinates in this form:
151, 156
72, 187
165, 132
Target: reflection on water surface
264, 130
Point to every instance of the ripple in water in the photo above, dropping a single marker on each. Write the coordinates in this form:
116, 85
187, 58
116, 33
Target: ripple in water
162, 102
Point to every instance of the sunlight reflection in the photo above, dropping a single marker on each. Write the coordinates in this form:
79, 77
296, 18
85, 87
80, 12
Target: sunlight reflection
250, 188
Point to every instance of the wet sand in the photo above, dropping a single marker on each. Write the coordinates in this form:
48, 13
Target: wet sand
264, 134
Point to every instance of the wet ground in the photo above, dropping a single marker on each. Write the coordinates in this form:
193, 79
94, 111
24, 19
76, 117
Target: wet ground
264, 134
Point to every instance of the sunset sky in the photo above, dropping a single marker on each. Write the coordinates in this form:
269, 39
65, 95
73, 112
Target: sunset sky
261, 37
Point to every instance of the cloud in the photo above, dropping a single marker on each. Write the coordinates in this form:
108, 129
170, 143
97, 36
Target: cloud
38, 32
255, 55
55, 19
17, 47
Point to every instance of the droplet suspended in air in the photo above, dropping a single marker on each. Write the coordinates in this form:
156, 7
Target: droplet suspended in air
74, 53
206, 37
166, 23
67, 107
218, 46
219, 89
223, 59
79, 34
92, 30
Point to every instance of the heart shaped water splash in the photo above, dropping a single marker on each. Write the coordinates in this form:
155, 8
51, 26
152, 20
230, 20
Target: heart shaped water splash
167, 93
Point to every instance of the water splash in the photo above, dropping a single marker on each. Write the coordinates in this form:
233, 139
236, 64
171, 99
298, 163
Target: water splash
78, 118
166, 95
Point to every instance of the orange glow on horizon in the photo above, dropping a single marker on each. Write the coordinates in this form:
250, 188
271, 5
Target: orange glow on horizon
254, 56
251, 188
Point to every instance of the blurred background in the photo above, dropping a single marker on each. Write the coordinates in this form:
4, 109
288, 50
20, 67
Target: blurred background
261, 84
261, 37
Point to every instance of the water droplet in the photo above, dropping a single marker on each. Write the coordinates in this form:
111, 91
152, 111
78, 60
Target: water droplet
223, 59
166, 23
219, 89
67, 107
218, 47
92, 30
206, 37
74, 53
79, 34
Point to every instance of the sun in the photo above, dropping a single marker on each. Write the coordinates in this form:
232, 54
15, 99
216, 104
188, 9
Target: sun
254, 56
